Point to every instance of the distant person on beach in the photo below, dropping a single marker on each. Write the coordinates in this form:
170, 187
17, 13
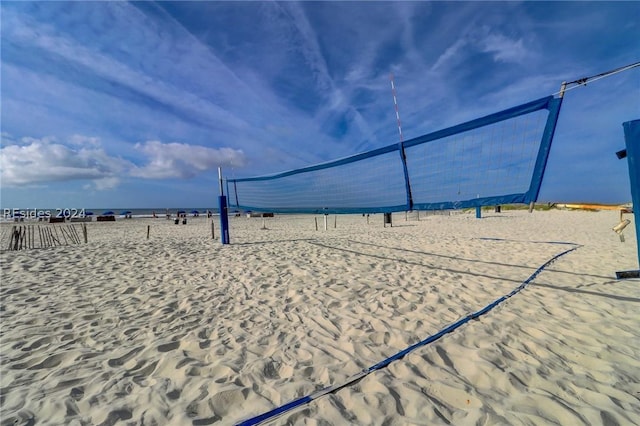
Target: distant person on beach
154, 214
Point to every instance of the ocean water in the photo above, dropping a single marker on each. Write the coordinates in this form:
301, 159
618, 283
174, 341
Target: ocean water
158, 212
8, 214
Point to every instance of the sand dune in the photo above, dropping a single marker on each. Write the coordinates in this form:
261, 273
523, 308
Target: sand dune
178, 329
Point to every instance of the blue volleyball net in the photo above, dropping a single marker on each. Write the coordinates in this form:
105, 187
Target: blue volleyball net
497, 159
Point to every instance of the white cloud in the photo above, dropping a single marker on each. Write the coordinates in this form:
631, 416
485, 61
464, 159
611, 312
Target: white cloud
179, 160
38, 161
106, 183
45, 160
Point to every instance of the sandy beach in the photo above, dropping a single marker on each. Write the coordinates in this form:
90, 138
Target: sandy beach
178, 329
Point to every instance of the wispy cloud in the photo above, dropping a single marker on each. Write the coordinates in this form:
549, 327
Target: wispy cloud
505, 49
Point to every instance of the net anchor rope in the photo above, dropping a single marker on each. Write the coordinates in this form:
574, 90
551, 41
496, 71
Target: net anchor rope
584, 80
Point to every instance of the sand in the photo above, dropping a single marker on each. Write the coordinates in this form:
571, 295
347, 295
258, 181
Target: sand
178, 329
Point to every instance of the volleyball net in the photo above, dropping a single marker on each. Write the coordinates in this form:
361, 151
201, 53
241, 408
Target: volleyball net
496, 159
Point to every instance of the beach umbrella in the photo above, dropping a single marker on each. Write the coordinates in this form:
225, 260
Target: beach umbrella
181, 212
88, 214
125, 213
108, 213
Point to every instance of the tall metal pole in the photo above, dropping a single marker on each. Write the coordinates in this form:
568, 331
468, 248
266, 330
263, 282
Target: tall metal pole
403, 156
224, 212
395, 104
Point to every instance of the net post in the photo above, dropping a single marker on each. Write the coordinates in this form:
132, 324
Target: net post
632, 142
548, 135
553, 107
224, 212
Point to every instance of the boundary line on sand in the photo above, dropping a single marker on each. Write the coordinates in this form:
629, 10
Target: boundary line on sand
270, 415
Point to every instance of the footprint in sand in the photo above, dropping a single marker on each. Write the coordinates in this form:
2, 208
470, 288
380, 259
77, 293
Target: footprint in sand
49, 362
77, 393
116, 415
117, 362
39, 342
169, 346
174, 394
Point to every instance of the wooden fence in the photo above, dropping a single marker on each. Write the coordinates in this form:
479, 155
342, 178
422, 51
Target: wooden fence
23, 237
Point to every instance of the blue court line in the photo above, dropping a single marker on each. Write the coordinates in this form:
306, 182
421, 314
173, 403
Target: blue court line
525, 241
331, 389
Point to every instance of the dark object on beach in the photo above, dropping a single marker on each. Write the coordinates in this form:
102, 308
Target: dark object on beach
107, 216
177, 221
80, 219
195, 213
184, 221
387, 220
126, 214
623, 275
258, 214
53, 219
498, 208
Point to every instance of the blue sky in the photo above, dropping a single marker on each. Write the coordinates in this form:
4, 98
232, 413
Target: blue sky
115, 104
